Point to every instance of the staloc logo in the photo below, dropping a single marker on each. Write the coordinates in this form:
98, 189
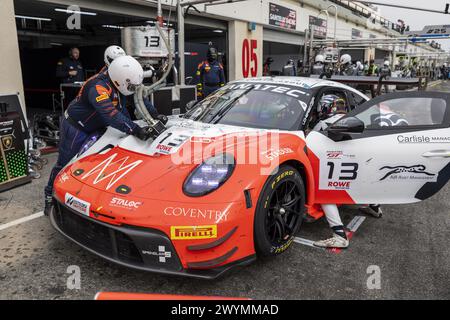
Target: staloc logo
123, 203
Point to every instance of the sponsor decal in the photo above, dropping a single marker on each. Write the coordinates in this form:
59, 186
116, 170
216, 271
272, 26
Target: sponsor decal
112, 170
339, 185
415, 139
102, 97
273, 154
77, 204
338, 155
163, 148
125, 204
7, 123
417, 172
196, 213
193, 233
270, 88
162, 254
7, 142
63, 178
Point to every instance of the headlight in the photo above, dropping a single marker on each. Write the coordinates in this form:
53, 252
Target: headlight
209, 176
88, 144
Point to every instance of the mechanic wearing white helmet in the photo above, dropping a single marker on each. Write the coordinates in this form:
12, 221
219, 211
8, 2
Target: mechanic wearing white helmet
330, 109
386, 71
319, 66
113, 52
347, 68
99, 104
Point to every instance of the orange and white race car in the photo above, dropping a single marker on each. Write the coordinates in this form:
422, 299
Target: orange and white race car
234, 177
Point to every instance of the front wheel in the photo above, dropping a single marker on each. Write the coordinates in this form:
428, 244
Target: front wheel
279, 212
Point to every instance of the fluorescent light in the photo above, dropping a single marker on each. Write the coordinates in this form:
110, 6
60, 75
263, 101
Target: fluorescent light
33, 18
110, 26
78, 12
218, 31
56, 44
154, 22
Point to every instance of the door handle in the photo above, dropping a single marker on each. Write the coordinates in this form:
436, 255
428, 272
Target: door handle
437, 154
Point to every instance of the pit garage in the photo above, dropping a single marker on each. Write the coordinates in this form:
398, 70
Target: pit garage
384, 261
44, 39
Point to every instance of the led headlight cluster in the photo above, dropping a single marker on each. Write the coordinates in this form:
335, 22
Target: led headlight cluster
210, 175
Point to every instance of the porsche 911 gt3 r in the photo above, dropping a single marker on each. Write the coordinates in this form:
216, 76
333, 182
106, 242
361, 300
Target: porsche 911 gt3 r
196, 201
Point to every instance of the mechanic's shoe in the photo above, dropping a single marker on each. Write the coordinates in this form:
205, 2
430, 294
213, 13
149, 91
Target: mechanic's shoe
335, 242
373, 209
48, 205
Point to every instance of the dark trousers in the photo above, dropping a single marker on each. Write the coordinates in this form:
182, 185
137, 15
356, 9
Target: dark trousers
71, 141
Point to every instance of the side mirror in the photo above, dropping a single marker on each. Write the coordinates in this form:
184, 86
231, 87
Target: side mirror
190, 105
345, 126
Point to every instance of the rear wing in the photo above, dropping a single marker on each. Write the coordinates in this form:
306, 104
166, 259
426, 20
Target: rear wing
376, 83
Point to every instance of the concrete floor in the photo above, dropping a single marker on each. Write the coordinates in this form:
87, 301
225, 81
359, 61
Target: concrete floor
409, 245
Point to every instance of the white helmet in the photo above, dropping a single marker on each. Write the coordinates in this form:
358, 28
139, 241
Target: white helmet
359, 66
126, 74
346, 58
113, 52
387, 63
320, 58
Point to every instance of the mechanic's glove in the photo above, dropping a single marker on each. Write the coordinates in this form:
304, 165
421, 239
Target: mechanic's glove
162, 118
142, 133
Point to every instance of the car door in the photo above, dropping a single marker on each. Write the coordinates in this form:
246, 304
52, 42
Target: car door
402, 154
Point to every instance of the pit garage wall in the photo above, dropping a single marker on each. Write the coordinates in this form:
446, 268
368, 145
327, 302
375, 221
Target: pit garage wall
245, 50
10, 69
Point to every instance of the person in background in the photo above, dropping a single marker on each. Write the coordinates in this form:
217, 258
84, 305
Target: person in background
70, 69
386, 71
267, 63
373, 69
319, 66
290, 69
347, 69
359, 68
210, 74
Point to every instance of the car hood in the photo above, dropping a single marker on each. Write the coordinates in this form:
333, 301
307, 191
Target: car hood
149, 167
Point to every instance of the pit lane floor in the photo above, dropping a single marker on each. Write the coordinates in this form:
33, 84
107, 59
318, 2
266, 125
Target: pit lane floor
409, 245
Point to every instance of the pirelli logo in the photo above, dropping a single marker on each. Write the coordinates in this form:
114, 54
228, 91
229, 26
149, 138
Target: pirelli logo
193, 233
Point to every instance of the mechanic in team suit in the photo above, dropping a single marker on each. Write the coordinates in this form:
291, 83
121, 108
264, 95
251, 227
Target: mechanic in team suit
70, 69
266, 69
331, 108
290, 69
99, 104
347, 69
319, 65
210, 75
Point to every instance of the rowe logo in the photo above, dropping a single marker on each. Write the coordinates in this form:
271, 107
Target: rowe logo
112, 170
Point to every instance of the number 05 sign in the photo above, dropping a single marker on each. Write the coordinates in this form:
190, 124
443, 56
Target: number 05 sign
249, 58
146, 42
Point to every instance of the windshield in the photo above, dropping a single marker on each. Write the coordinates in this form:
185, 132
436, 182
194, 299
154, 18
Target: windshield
265, 106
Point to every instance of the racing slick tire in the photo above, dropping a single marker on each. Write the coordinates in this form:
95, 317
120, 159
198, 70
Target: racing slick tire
279, 212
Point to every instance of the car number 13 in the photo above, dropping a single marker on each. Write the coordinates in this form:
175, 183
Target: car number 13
346, 171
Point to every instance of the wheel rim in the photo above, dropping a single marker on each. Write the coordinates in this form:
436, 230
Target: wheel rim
283, 213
